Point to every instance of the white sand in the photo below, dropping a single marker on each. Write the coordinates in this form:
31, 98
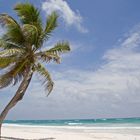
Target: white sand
70, 133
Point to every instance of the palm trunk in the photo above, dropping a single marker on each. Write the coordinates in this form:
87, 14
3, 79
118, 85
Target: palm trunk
0, 130
17, 97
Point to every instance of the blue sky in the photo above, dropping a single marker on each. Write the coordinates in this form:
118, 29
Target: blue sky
100, 78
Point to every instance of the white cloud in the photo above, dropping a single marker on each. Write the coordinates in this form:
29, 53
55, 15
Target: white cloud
69, 16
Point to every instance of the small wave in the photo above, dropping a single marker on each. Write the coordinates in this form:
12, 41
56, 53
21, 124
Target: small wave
119, 119
103, 119
75, 123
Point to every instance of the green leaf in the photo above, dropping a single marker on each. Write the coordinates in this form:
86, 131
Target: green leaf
11, 52
14, 75
48, 56
51, 24
7, 61
28, 14
46, 76
13, 32
60, 47
7, 20
9, 45
30, 33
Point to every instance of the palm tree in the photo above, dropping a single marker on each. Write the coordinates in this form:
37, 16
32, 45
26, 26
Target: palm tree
20, 51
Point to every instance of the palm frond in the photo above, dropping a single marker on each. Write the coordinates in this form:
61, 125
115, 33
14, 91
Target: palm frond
6, 61
5, 80
48, 56
13, 32
30, 33
7, 20
28, 14
3, 44
51, 24
14, 35
60, 47
13, 76
46, 76
11, 52
9, 45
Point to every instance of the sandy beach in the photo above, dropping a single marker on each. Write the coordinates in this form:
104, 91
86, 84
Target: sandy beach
70, 133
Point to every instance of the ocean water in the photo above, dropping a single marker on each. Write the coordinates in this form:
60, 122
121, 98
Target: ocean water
115, 122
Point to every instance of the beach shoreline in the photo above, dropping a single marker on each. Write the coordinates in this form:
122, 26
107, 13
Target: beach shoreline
70, 133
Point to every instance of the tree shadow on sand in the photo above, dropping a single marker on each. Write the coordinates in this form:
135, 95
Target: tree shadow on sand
12, 138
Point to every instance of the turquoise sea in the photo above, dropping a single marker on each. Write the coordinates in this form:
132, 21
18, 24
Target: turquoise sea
114, 122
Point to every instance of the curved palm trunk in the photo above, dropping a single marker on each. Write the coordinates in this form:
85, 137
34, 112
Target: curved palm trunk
17, 97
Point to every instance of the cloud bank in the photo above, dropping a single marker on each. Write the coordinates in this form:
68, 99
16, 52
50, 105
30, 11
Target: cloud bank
70, 17
110, 91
